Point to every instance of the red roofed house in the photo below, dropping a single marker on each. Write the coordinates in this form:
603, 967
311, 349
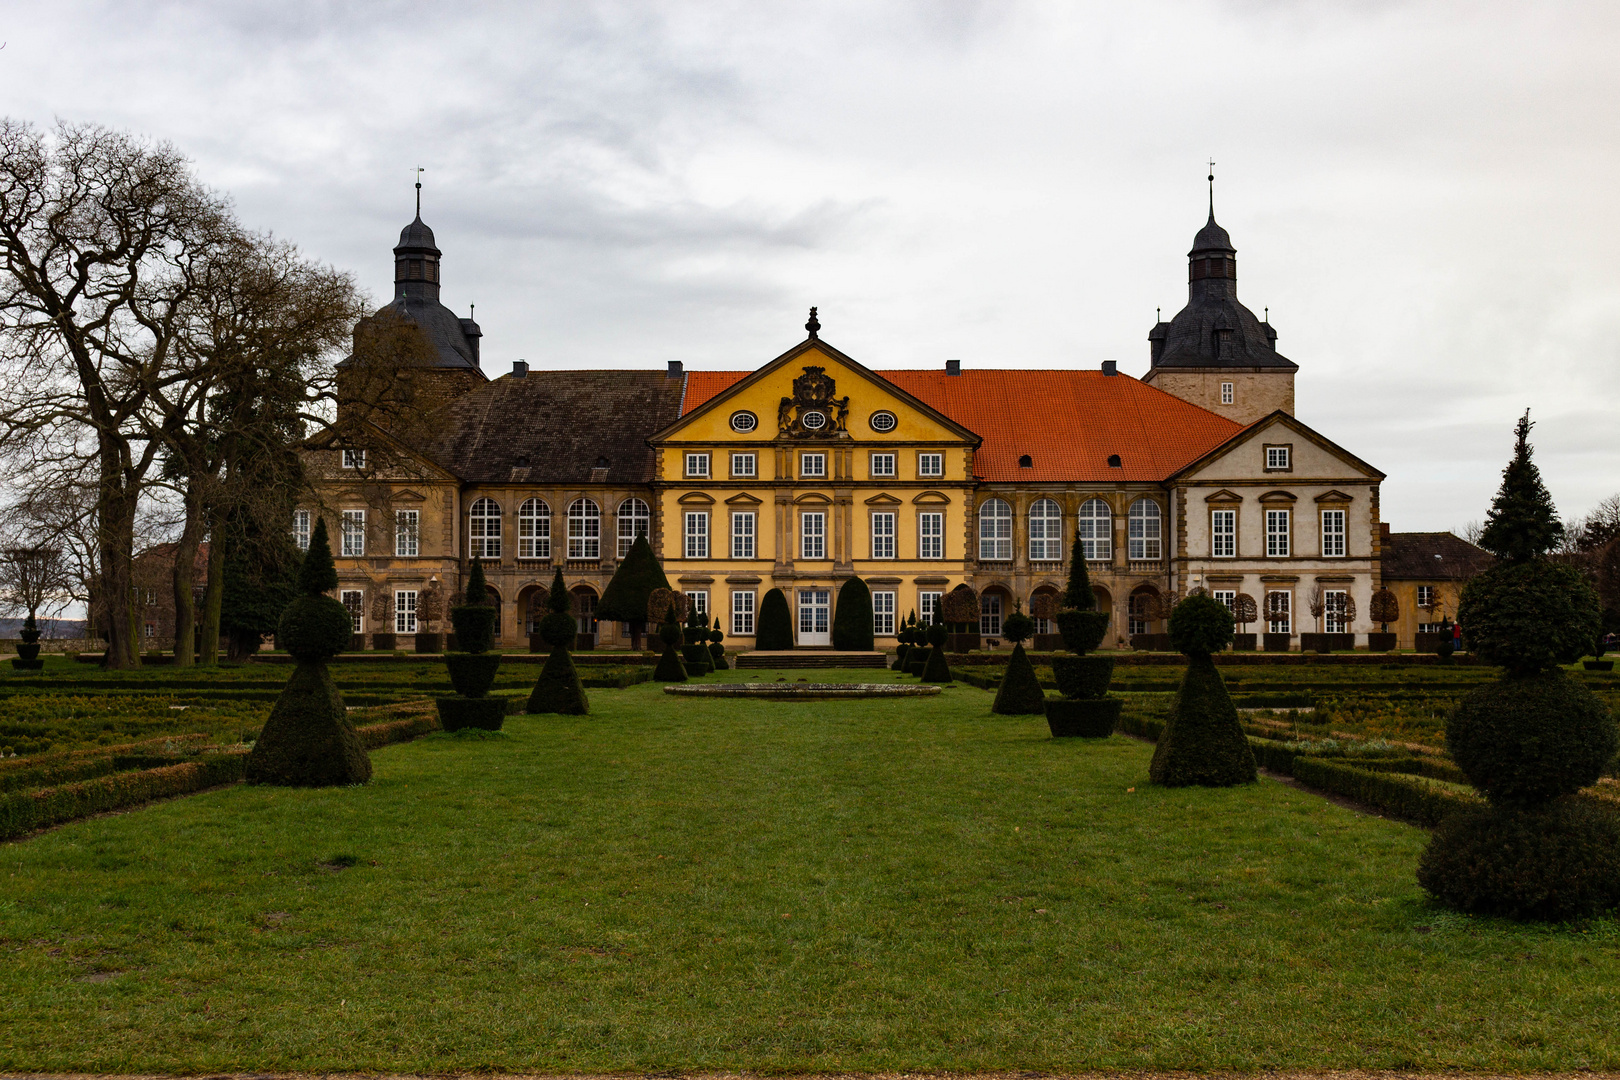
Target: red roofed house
813, 468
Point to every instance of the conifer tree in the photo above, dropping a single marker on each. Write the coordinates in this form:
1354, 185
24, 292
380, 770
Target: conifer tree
626, 596
1522, 523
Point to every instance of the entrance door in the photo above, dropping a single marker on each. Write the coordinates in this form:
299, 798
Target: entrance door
815, 622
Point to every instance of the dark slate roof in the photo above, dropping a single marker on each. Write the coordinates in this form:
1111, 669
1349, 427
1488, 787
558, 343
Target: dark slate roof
1436, 556
551, 427
444, 328
417, 236
1190, 339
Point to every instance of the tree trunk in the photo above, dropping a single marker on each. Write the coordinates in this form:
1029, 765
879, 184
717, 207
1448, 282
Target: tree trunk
214, 598
185, 580
115, 517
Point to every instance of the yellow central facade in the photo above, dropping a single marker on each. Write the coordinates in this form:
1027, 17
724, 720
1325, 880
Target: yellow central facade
803, 474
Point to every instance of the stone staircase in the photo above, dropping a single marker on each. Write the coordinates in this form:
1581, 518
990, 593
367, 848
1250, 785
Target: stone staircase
812, 658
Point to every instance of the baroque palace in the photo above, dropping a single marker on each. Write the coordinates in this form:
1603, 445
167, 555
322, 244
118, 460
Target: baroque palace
813, 467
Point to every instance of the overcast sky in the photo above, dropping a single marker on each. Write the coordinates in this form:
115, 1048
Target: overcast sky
1425, 195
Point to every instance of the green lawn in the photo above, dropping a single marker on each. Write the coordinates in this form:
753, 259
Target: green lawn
896, 885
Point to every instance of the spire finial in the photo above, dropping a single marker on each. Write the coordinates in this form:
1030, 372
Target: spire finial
419, 171
814, 325
1211, 189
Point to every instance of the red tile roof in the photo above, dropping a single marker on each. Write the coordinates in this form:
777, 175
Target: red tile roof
1067, 421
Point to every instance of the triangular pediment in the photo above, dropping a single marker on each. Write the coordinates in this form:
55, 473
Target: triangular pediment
742, 498
1224, 496
814, 395
884, 499
409, 496
389, 459
1311, 455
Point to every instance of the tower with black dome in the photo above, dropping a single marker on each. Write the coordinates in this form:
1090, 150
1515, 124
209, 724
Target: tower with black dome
1215, 353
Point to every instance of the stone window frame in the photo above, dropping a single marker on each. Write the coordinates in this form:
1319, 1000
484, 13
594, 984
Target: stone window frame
1287, 532
927, 457
990, 514
356, 550
405, 611
808, 456
407, 534
883, 622
1228, 394
820, 536
1288, 457
695, 542
923, 537
893, 537
703, 459
891, 459
590, 513
356, 609
742, 615
752, 535
303, 524
1343, 532
1234, 510
752, 472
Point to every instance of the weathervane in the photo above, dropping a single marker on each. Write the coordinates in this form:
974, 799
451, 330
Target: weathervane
419, 171
1211, 188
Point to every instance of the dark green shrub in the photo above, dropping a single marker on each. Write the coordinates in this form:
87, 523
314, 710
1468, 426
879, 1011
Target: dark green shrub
670, 631
557, 627
1368, 782
1020, 693
1018, 627
1529, 616
696, 658
458, 713
936, 669
1522, 523
1091, 718
308, 741
1203, 743
626, 596
669, 667
900, 657
1200, 625
558, 690
1082, 631
852, 621
23, 812
1077, 596
314, 628
937, 633
717, 657
917, 660
697, 630
1529, 739
1083, 676
1561, 861
774, 631
472, 674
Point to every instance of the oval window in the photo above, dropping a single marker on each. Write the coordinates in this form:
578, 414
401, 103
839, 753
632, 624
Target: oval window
744, 421
813, 420
884, 421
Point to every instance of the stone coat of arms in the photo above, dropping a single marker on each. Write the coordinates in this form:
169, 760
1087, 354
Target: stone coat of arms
812, 412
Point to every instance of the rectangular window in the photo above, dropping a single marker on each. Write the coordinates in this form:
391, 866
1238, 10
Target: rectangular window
928, 607
1226, 393
354, 534
1225, 596
882, 465
1142, 534
930, 536
1432, 628
883, 536
742, 535
1277, 612
1333, 534
301, 529
742, 614
813, 535
990, 614
1277, 459
697, 534
1425, 596
883, 614
1045, 539
534, 534
1223, 534
700, 601
354, 601
1276, 534
744, 466
354, 459
697, 466
812, 466
405, 611
406, 531
930, 465
1334, 606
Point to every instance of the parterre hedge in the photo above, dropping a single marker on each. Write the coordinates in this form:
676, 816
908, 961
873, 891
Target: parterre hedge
26, 811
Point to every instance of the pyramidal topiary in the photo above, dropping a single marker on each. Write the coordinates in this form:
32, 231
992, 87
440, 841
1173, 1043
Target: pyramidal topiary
1020, 693
1202, 743
307, 740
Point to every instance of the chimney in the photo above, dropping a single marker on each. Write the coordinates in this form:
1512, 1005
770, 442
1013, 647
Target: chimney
520, 369
676, 369
1110, 367
953, 367
1383, 529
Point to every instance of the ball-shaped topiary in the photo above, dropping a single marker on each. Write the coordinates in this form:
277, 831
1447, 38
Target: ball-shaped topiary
1018, 627
1200, 625
1529, 616
937, 633
314, 627
1561, 861
1529, 739
557, 629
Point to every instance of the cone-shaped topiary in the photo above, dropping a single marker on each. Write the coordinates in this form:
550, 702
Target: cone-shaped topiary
1078, 620
1202, 742
852, 622
307, 741
1020, 693
626, 596
670, 668
1531, 739
1522, 523
775, 630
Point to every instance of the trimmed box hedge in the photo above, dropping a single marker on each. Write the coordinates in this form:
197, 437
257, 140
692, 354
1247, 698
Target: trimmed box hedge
1388, 791
25, 812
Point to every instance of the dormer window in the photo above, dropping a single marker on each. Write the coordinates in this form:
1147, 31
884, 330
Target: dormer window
1113, 461
1026, 462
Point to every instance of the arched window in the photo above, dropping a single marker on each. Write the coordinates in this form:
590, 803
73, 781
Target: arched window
584, 530
1096, 531
1144, 532
995, 530
534, 530
484, 530
1045, 531
633, 519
